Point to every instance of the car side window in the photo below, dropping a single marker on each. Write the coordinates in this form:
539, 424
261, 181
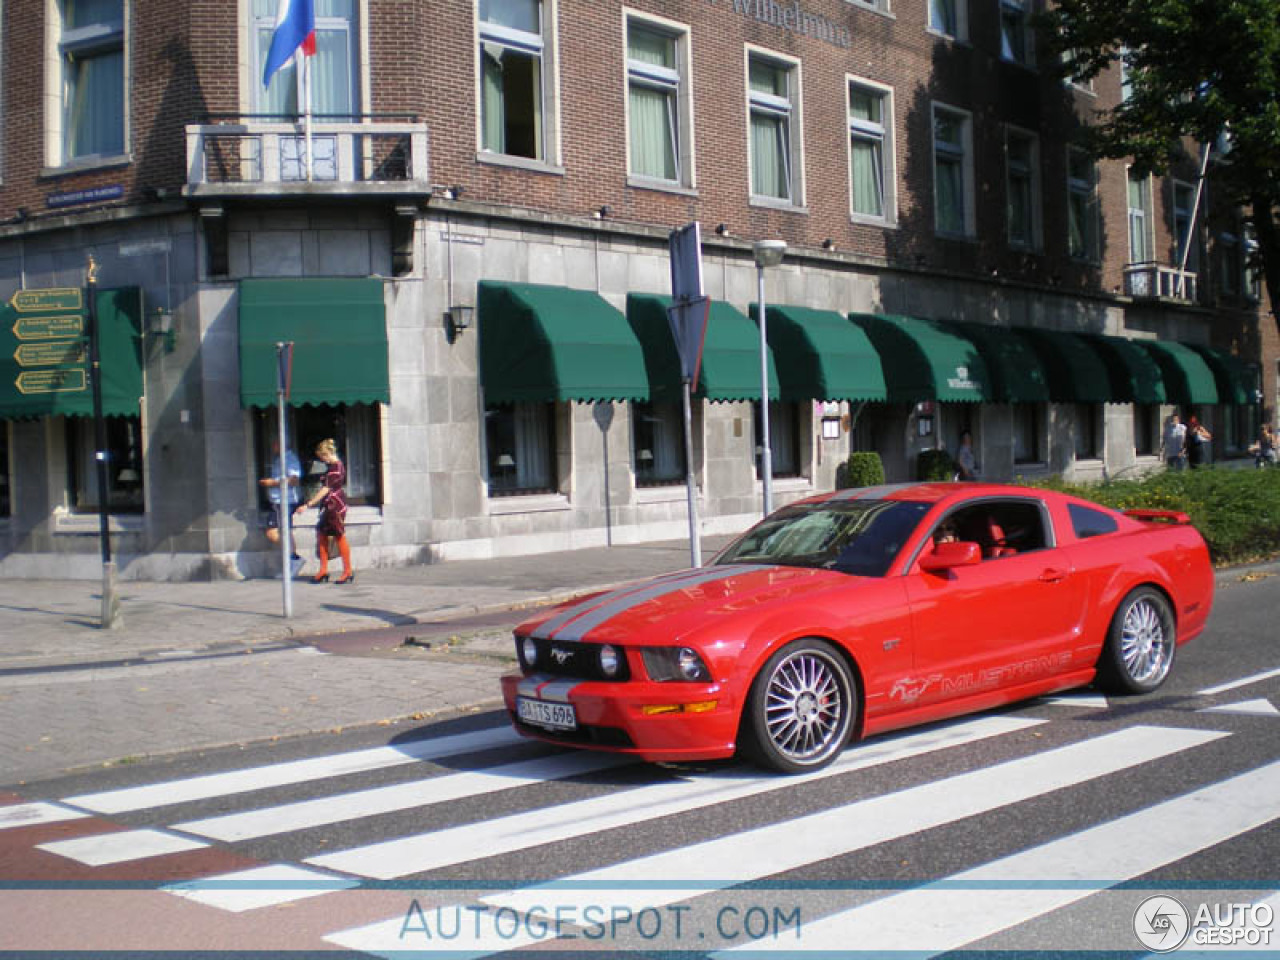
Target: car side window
1087, 522
1002, 528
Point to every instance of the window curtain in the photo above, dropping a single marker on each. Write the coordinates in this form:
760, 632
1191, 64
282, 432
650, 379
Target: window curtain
769, 176
942, 16
950, 195
652, 132
782, 439
362, 453
868, 162
522, 15
1138, 251
95, 108
533, 443
493, 121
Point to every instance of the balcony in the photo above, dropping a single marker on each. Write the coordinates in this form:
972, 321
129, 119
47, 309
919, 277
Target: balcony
1152, 281
263, 157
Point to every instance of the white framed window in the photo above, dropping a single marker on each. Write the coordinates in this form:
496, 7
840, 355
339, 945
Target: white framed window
1230, 270
356, 431
1082, 206
123, 455
949, 18
953, 201
784, 437
659, 124
1139, 218
91, 57
516, 105
871, 153
1146, 429
773, 97
657, 444
1070, 78
1252, 267
520, 449
1022, 188
1017, 41
879, 6
1126, 76
1029, 421
335, 68
1088, 432
1184, 233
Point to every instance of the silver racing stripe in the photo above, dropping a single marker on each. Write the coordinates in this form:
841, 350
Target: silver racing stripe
581, 626
872, 493
550, 626
543, 687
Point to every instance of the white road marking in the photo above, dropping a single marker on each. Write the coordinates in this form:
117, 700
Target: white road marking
418, 853
290, 772
1256, 708
121, 846
266, 886
978, 903
32, 814
1242, 682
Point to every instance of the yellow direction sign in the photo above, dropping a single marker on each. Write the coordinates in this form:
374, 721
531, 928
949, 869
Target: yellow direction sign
51, 381
49, 328
53, 354
54, 298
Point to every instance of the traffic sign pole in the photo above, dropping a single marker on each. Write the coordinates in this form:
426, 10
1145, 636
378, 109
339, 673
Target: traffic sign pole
110, 602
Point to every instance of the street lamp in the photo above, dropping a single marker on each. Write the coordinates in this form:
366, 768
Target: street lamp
768, 254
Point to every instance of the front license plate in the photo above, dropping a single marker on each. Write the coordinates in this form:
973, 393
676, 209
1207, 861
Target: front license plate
554, 716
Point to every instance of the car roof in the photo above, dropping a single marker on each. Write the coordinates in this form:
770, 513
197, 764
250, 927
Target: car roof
930, 492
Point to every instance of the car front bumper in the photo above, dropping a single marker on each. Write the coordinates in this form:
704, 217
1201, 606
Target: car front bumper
612, 716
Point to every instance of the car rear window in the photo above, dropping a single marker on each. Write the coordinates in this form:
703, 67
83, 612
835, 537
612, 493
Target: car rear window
1087, 522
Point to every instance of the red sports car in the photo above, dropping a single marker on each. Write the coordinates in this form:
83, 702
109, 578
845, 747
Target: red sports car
862, 611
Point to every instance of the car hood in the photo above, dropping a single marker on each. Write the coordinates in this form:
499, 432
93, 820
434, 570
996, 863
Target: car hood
666, 608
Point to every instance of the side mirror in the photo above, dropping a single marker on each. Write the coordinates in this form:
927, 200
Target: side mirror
945, 556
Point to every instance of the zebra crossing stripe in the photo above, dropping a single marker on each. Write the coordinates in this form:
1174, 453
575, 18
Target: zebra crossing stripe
34, 814
1004, 893
692, 871
321, 811
267, 886
290, 772
390, 859
1236, 684
120, 847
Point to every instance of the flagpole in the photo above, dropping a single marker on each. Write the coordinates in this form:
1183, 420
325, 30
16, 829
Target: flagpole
306, 93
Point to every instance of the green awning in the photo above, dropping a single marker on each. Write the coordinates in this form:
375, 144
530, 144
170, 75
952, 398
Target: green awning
822, 356
44, 353
1077, 372
339, 331
925, 360
730, 352
1017, 375
1187, 378
1135, 377
1237, 382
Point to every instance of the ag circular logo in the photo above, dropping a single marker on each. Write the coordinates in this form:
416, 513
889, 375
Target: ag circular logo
1161, 923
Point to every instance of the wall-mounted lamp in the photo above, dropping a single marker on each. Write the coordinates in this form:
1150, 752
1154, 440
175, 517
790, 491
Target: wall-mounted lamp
456, 319
20, 215
448, 193
722, 229
603, 212
828, 244
160, 324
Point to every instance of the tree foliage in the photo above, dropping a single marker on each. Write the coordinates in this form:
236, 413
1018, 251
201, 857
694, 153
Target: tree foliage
1204, 69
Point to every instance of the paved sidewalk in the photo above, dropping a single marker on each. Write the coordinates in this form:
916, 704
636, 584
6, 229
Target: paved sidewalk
208, 664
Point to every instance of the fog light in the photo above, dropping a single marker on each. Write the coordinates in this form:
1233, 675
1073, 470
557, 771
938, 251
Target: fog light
529, 651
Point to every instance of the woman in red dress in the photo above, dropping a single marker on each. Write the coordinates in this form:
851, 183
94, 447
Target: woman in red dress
333, 514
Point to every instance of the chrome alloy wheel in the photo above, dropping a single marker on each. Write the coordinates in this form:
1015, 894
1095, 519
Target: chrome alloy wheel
806, 705
1146, 642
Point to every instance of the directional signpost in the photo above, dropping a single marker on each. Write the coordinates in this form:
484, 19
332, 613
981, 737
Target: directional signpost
50, 351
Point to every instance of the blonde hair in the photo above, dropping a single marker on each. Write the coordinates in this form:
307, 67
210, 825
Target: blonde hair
326, 448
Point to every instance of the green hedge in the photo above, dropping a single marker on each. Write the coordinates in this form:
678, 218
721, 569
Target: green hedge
1237, 511
863, 469
935, 465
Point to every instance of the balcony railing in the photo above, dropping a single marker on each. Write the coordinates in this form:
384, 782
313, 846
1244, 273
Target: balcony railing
1154, 281
246, 156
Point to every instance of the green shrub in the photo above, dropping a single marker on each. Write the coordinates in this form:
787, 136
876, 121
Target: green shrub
864, 469
1236, 511
935, 465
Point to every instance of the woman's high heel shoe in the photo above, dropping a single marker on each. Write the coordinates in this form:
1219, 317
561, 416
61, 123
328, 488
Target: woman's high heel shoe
320, 578
349, 578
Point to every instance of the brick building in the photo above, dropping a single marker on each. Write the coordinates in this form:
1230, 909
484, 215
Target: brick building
468, 247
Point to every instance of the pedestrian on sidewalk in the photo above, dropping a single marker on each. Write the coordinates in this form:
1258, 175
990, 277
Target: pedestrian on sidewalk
332, 501
282, 508
1174, 443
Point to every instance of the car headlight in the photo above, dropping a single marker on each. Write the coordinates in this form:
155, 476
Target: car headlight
529, 651
610, 662
664, 664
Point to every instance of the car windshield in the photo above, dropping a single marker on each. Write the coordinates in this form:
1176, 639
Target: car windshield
853, 536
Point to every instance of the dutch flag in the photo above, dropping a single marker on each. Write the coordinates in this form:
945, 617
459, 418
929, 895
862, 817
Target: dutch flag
295, 27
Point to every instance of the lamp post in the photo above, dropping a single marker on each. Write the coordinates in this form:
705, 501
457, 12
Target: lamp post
768, 253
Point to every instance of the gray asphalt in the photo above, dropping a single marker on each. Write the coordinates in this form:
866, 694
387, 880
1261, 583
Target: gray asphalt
198, 665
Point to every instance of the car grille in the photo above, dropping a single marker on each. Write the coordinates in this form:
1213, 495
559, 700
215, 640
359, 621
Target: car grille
585, 735
580, 661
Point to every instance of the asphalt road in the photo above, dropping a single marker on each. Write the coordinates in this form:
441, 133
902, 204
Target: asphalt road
1047, 827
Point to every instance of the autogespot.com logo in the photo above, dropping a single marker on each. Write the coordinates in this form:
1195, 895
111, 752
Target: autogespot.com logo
1162, 924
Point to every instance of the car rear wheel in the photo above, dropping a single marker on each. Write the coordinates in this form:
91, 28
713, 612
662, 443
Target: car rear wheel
801, 708
1140, 644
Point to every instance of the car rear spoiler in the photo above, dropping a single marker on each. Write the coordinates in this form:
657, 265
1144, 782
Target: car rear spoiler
1159, 516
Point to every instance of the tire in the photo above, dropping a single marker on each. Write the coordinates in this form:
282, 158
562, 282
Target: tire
1141, 643
801, 708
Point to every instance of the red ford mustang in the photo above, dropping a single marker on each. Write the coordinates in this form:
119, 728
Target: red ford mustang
862, 611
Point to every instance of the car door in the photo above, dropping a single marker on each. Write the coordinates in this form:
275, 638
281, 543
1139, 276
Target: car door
1005, 621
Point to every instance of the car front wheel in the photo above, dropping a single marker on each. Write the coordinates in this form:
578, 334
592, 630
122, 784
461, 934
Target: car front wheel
1140, 644
801, 708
